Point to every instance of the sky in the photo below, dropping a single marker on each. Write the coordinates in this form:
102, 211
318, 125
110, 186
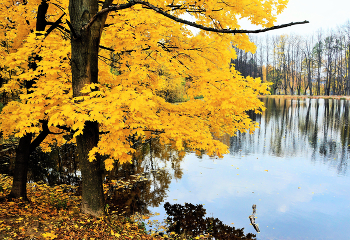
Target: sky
320, 13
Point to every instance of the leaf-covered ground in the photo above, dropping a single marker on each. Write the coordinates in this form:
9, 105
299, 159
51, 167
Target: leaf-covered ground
54, 213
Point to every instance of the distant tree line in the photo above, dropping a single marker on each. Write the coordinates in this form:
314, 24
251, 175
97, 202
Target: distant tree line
317, 64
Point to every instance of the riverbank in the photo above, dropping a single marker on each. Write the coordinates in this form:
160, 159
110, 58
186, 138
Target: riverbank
306, 96
54, 213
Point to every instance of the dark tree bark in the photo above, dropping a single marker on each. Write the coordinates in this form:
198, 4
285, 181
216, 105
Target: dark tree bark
85, 46
93, 201
19, 184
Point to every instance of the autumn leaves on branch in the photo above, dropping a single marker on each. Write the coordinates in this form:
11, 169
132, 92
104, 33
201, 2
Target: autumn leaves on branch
176, 19
122, 89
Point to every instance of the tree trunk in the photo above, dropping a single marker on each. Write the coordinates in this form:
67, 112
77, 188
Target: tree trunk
25, 146
92, 188
85, 45
19, 185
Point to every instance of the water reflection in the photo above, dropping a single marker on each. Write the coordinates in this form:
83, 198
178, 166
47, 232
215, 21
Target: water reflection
189, 219
144, 182
318, 128
294, 169
56, 167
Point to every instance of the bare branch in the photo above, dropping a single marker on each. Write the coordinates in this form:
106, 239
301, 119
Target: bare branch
107, 10
54, 25
176, 19
67, 129
107, 48
72, 30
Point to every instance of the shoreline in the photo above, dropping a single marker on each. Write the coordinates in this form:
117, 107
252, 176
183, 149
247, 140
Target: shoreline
307, 96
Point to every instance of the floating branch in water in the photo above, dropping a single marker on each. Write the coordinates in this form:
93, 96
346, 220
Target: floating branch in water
252, 219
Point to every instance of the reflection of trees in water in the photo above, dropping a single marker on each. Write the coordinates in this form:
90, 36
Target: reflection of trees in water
55, 167
189, 219
318, 128
149, 162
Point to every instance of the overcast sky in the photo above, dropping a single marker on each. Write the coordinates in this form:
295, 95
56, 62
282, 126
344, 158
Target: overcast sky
321, 14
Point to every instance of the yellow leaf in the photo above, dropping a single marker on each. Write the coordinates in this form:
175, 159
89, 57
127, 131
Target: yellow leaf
50, 235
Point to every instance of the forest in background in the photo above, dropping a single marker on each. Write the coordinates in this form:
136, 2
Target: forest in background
316, 64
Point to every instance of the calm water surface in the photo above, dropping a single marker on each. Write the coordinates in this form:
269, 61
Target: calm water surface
294, 168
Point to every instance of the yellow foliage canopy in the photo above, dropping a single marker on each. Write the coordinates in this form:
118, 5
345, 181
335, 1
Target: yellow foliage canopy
144, 54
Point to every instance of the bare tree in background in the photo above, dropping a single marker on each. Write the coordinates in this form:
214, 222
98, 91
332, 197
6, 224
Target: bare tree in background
308, 61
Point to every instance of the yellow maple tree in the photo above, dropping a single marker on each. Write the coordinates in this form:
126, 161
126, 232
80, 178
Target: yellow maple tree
143, 49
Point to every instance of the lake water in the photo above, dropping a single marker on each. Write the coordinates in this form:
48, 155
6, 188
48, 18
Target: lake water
294, 168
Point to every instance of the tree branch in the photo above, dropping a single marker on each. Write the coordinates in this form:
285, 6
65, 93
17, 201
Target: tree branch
72, 30
54, 25
42, 135
176, 19
107, 10
68, 129
107, 48
41, 16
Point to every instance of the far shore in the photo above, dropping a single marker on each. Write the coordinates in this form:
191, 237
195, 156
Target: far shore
306, 96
